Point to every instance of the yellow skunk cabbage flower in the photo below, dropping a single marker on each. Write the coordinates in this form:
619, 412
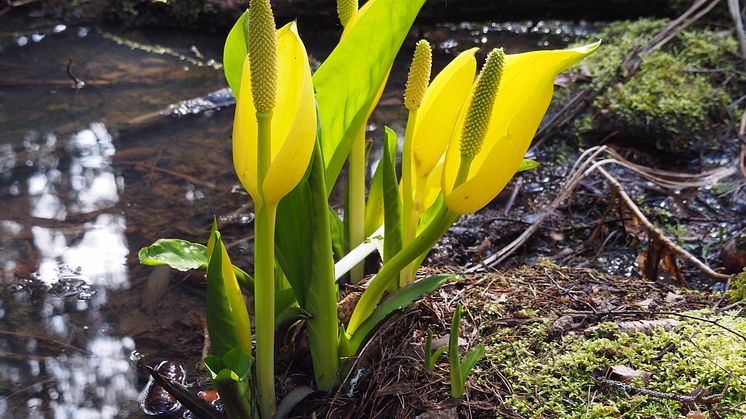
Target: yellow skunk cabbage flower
293, 129
346, 9
523, 97
436, 119
419, 75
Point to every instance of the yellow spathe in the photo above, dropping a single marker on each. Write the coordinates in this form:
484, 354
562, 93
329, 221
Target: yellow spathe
523, 97
436, 119
293, 129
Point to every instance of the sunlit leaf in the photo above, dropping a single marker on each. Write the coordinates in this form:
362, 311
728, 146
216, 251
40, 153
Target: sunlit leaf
471, 359
348, 82
234, 53
392, 205
182, 255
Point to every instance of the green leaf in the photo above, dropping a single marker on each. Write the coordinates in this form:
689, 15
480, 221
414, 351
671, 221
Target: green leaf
527, 165
220, 321
214, 365
304, 250
454, 363
339, 239
429, 361
290, 315
392, 206
347, 83
179, 254
292, 399
471, 359
234, 53
398, 300
374, 203
184, 255
239, 361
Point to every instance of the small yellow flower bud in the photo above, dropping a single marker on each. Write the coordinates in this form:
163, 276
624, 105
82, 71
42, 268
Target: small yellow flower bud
262, 46
419, 75
480, 108
346, 9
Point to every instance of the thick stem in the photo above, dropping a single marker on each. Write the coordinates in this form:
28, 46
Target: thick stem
356, 200
409, 214
264, 310
264, 274
372, 295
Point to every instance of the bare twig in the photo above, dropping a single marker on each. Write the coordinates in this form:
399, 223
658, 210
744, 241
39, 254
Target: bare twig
188, 178
585, 164
655, 233
735, 12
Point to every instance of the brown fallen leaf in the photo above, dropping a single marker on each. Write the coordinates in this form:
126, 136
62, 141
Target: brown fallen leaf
625, 374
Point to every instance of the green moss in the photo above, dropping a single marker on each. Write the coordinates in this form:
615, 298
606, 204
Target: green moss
737, 290
555, 379
675, 99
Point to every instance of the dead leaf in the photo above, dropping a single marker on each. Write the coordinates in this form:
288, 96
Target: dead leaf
625, 374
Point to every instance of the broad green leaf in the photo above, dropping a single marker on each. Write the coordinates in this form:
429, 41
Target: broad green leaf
239, 361
234, 53
471, 359
220, 321
304, 250
398, 300
348, 82
179, 254
321, 295
392, 206
184, 255
214, 365
454, 361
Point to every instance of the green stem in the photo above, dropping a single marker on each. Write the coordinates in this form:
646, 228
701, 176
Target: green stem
422, 243
370, 298
356, 200
409, 214
264, 275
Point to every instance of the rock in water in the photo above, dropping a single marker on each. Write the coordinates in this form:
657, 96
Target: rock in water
154, 399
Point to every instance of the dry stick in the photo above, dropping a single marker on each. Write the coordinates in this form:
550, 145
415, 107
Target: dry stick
577, 174
188, 178
573, 179
654, 232
49, 340
742, 138
678, 25
735, 12
697, 398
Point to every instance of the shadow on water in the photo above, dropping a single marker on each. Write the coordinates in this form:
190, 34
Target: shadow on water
81, 191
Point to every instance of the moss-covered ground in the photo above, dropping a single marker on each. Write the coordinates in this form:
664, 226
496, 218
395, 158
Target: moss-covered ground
550, 356
683, 95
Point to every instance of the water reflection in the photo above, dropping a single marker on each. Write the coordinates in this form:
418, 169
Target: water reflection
65, 364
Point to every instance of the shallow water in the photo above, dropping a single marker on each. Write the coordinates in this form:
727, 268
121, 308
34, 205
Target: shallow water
89, 175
